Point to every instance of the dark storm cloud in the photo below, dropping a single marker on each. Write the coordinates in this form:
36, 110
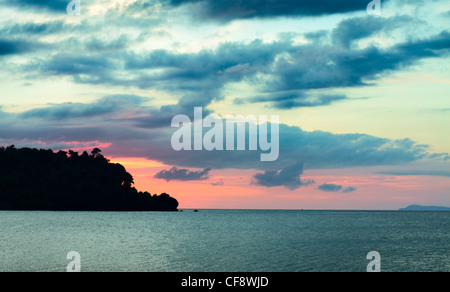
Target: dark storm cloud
226, 10
288, 177
183, 174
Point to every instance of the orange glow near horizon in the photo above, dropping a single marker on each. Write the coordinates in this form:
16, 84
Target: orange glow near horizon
374, 191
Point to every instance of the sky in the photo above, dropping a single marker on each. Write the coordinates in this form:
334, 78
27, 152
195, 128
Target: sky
362, 100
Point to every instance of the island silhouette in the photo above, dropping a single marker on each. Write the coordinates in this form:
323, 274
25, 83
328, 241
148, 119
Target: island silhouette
424, 208
44, 180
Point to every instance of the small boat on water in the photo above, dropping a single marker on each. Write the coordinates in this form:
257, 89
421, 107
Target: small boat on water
195, 210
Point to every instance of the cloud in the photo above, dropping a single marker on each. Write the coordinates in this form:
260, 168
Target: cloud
353, 29
51, 5
218, 183
336, 188
284, 73
79, 66
13, 46
330, 187
197, 78
200, 77
290, 71
148, 134
443, 156
95, 44
33, 28
226, 10
433, 46
183, 174
315, 66
315, 149
292, 99
288, 177
409, 172
103, 106
349, 189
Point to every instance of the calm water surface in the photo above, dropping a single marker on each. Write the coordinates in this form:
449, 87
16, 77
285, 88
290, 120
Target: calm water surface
225, 240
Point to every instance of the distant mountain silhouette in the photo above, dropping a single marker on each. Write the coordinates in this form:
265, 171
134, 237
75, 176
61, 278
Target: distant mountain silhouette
424, 208
32, 179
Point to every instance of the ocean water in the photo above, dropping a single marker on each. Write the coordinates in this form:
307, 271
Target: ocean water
225, 241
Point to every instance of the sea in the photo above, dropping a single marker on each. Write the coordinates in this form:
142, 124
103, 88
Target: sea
225, 241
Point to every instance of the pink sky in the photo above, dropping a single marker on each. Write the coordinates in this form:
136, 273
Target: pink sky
348, 89
374, 191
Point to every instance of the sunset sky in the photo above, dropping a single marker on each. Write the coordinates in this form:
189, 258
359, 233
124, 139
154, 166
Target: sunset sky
363, 100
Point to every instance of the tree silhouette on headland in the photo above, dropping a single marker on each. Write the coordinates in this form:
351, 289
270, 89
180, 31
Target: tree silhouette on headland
32, 179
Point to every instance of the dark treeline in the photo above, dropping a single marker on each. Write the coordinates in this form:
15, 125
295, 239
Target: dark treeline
32, 179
